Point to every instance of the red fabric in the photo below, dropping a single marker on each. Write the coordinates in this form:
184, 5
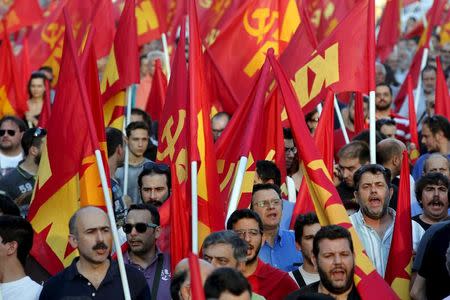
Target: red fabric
328, 22
414, 155
359, 113
150, 19
157, 96
339, 140
195, 278
442, 101
270, 282
22, 13
389, 29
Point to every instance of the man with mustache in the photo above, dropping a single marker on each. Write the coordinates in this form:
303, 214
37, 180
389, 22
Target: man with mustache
374, 222
265, 280
142, 230
432, 192
334, 258
93, 274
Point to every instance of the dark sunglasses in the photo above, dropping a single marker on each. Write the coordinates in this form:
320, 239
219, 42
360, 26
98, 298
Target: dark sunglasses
9, 131
149, 166
140, 227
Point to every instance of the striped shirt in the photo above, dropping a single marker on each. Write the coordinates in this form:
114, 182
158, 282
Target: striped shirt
377, 248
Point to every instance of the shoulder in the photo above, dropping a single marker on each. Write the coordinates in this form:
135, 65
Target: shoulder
54, 284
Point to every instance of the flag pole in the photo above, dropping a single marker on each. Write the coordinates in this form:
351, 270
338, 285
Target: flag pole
235, 193
292, 197
129, 95
372, 135
371, 77
194, 199
95, 145
166, 54
341, 120
423, 63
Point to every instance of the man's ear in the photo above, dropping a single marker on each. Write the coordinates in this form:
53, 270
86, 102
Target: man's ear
391, 192
157, 232
73, 240
12, 247
298, 246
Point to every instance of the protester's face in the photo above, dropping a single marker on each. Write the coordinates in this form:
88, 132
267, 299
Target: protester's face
348, 167
267, 204
138, 141
248, 230
380, 77
7, 141
445, 54
93, 237
392, 61
218, 125
37, 87
144, 67
429, 81
430, 103
373, 195
335, 264
388, 130
313, 122
141, 243
429, 139
435, 201
306, 244
154, 189
437, 164
290, 151
220, 255
383, 97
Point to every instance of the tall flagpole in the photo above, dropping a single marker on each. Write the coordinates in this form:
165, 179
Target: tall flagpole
166, 54
236, 191
129, 96
341, 120
194, 199
371, 78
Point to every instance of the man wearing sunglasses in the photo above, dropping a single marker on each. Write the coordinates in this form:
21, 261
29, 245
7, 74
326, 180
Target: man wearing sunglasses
142, 230
154, 183
11, 131
18, 184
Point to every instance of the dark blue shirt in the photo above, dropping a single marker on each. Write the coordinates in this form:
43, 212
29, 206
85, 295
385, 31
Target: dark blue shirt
70, 284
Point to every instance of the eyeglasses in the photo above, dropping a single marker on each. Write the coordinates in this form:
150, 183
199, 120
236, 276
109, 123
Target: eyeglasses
140, 227
293, 150
249, 232
268, 203
149, 166
9, 131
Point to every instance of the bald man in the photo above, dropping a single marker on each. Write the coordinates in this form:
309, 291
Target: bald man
93, 274
180, 288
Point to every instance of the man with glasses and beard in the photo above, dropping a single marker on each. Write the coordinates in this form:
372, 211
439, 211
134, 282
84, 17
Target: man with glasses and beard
154, 183
93, 274
334, 259
265, 280
11, 131
18, 184
142, 230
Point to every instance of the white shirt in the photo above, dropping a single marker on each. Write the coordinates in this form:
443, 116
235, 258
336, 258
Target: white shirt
307, 277
9, 162
23, 289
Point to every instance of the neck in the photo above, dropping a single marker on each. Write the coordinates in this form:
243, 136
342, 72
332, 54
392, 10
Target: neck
135, 160
112, 166
88, 269
383, 113
11, 152
444, 147
270, 234
36, 99
342, 296
250, 268
379, 225
430, 219
11, 271
144, 259
29, 165
308, 266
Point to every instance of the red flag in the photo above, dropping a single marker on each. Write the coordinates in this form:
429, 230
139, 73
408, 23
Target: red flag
389, 29
103, 22
150, 20
23, 60
332, 12
155, 101
442, 99
414, 154
196, 279
398, 269
359, 120
46, 107
22, 13
328, 205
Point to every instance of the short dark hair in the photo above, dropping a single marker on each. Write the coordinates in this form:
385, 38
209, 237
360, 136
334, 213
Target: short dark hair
386, 85
32, 137
13, 228
364, 136
355, 149
226, 279
438, 123
428, 179
147, 206
381, 122
136, 125
36, 75
231, 238
374, 169
331, 232
301, 221
19, 122
245, 213
153, 171
145, 116
114, 139
266, 186
7, 206
287, 133
267, 170
175, 285
428, 68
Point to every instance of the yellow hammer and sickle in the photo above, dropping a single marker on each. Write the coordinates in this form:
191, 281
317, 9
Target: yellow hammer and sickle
260, 14
172, 139
52, 33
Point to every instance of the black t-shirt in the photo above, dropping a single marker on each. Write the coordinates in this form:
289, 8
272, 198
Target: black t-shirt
424, 225
433, 267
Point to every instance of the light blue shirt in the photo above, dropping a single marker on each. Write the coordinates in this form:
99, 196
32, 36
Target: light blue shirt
283, 255
286, 214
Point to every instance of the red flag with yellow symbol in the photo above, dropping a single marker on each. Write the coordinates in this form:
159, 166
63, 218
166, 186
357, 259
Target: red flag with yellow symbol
122, 68
172, 150
332, 12
22, 13
328, 205
414, 152
239, 50
389, 29
442, 99
211, 208
12, 95
149, 20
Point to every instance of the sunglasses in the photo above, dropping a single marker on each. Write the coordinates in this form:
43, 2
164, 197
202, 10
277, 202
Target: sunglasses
150, 166
9, 131
140, 227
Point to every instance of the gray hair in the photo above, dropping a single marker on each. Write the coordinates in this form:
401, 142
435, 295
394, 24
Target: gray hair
231, 238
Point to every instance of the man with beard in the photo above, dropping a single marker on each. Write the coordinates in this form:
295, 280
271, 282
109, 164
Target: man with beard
93, 274
334, 259
383, 104
374, 222
154, 183
11, 131
18, 183
265, 280
142, 230
432, 192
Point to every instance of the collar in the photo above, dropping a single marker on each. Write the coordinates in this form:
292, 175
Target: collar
24, 173
128, 260
360, 218
72, 271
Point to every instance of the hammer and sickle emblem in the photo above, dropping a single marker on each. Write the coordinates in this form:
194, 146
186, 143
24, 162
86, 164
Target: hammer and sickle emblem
52, 33
172, 139
261, 15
